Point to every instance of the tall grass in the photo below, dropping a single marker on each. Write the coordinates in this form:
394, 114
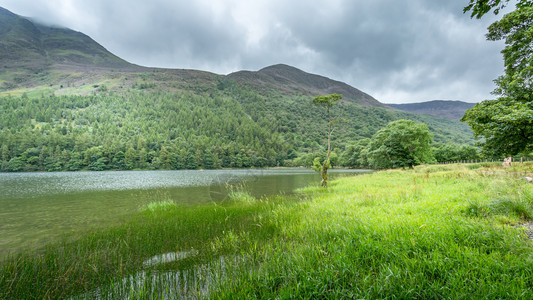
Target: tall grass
400, 234
101, 260
433, 232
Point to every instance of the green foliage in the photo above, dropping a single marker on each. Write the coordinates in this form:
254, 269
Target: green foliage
14, 165
190, 162
355, 155
400, 144
479, 8
505, 123
452, 152
326, 100
516, 28
317, 164
230, 128
146, 131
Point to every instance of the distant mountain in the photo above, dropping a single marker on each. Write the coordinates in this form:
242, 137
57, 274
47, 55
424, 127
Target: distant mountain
452, 110
291, 80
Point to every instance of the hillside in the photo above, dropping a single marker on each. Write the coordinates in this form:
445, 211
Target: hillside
38, 56
69, 104
290, 80
452, 110
30, 44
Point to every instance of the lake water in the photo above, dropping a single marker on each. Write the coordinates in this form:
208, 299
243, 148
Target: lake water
36, 208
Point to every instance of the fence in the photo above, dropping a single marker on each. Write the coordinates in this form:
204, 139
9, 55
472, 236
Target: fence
516, 159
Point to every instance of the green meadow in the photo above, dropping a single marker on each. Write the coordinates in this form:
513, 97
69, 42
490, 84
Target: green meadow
443, 231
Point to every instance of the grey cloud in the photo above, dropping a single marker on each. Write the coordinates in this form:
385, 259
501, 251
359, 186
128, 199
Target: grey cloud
397, 51
419, 47
165, 35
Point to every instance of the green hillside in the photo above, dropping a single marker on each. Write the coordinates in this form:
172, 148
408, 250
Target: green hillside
69, 104
208, 127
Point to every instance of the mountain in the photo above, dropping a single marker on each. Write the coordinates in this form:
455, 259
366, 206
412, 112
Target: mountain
69, 104
291, 80
35, 55
452, 110
30, 44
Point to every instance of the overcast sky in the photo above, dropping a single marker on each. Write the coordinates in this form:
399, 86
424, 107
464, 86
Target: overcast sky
398, 51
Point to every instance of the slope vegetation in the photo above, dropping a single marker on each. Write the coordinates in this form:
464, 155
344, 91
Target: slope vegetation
69, 104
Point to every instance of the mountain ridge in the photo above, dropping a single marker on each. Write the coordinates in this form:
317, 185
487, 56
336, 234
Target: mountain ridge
60, 57
294, 80
449, 109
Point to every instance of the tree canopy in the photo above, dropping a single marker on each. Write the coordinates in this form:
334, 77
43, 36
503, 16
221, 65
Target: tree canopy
505, 123
401, 144
478, 8
200, 127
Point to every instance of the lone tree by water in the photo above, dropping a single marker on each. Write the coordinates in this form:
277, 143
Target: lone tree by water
326, 101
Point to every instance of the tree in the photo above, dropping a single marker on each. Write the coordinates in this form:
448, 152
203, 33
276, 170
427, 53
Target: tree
15, 164
452, 152
129, 158
479, 8
327, 101
355, 154
190, 161
118, 160
506, 122
401, 144
208, 160
75, 163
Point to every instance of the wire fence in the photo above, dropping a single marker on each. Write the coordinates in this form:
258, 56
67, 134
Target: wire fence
516, 159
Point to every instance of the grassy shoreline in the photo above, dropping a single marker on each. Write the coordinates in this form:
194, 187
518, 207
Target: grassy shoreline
452, 231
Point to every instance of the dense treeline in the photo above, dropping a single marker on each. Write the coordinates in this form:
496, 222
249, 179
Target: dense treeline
358, 154
226, 126
137, 130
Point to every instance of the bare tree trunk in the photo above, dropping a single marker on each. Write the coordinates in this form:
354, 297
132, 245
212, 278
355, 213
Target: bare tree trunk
326, 164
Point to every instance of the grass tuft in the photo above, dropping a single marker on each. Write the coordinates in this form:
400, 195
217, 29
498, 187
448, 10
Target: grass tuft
159, 205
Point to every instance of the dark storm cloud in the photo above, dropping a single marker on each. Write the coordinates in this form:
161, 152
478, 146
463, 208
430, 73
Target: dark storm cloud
164, 34
415, 50
398, 51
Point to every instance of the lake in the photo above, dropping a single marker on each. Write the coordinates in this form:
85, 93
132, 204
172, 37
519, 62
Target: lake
36, 208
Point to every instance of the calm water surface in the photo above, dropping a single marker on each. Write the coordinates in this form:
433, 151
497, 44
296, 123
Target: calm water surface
36, 208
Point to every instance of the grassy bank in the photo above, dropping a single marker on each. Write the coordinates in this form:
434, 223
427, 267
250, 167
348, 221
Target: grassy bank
453, 231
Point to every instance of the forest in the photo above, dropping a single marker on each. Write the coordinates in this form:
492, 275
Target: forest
225, 126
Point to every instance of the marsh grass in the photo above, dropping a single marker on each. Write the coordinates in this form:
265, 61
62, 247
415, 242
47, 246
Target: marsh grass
101, 260
159, 205
433, 232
